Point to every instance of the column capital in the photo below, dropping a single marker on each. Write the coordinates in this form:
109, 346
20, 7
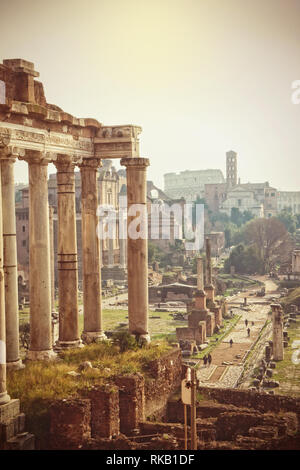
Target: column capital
65, 162
276, 307
138, 163
37, 157
90, 164
10, 153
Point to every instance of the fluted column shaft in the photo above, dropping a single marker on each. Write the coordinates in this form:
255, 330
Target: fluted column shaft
91, 255
137, 249
209, 288
51, 235
39, 259
4, 397
208, 262
67, 254
200, 273
10, 261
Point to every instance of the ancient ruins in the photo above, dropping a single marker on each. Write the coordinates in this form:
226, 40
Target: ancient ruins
39, 133
130, 410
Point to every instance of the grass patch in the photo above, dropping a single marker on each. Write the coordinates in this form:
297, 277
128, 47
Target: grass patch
42, 382
293, 297
286, 372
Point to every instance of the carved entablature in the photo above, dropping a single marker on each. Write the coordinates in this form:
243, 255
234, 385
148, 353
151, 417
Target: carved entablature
117, 142
5, 136
28, 122
41, 140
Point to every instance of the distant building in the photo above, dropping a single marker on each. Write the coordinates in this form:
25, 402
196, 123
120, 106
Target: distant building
166, 224
242, 199
289, 199
231, 168
110, 184
266, 195
215, 195
190, 184
259, 198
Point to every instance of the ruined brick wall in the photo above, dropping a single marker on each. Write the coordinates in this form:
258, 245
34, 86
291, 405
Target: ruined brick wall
70, 423
105, 421
252, 399
103, 412
131, 402
165, 379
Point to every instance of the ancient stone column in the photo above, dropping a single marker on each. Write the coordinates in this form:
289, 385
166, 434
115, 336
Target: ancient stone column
200, 283
209, 288
123, 231
91, 256
4, 397
67, 254
122, 254
39, 259
277, 319
51, 235
200, 297
8, 158
137, 246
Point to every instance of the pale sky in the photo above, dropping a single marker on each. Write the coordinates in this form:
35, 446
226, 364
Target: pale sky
200, 76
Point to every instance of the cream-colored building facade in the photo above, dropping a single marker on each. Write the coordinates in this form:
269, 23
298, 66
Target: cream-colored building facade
190, 184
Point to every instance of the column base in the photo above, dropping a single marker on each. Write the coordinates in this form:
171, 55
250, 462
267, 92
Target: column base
15, 365
89, 337
4, 398
60, 345
144, 339
46, 355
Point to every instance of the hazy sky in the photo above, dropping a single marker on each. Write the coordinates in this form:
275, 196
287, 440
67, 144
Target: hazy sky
200, 76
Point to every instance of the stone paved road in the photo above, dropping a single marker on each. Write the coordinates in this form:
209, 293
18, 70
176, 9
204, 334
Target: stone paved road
227, 362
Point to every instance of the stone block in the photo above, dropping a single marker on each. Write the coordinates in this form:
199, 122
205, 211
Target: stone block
21, 422
210, 324
69, 423
131, 402
23, 441
105, 421
8, 429
195, 317
9, 411
185, 334
217, 311
264, 432
200, 333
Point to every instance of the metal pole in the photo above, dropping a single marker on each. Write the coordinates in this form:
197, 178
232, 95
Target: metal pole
185, 427
193, 412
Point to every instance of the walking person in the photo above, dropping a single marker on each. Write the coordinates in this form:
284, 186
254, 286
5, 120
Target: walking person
246, 322
231, 342
209, 358
205, 360
248, 331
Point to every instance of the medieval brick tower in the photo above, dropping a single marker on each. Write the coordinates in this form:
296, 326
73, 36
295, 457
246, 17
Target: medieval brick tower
231, 168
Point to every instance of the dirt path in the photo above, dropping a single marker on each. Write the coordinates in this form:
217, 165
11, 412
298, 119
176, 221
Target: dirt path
227, 361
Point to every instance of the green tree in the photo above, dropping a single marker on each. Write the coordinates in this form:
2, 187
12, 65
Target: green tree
270, 239
246, 260
288, 220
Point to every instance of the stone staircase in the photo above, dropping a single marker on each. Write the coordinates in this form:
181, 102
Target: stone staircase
12, 428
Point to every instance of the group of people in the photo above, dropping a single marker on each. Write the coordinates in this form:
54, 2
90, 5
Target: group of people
207, 359
248, 329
